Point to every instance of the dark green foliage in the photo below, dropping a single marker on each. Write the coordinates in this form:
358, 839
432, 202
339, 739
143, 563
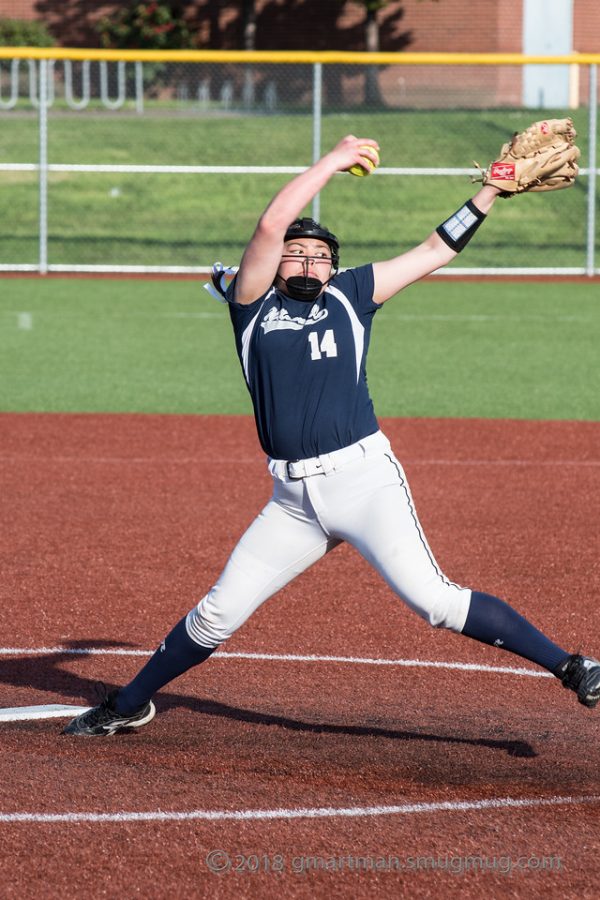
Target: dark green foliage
145, 26
23, 33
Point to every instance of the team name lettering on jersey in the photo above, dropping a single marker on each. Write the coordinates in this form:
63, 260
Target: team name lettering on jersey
280, 318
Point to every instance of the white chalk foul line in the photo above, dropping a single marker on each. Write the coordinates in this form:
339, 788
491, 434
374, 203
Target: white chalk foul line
48, 711
410, 663
282, 657
214, 461
322, 812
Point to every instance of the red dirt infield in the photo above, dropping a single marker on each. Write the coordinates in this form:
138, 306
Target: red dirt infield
389, 769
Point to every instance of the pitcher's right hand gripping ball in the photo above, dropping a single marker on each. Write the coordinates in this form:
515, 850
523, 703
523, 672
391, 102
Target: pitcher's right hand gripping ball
541, 158
367, 165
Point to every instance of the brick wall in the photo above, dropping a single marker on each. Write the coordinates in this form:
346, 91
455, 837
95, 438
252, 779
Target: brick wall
419, 25
427, 25
422, 25
490, 26
71, 22
586, 26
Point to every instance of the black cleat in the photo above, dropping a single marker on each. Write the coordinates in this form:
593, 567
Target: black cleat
582, 675
103, 720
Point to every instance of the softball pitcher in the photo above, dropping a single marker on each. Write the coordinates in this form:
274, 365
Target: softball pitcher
302, 331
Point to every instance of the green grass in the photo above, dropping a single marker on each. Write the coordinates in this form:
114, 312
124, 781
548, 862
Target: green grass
195, 219
438, 349
446, 137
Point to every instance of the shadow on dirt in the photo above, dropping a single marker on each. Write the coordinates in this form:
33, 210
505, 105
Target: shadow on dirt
45, 673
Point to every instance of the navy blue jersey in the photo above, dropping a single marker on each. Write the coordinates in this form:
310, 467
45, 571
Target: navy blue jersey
304, 364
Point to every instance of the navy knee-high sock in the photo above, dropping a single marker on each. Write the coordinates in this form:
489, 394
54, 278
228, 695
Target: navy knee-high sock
177, 653
492, 621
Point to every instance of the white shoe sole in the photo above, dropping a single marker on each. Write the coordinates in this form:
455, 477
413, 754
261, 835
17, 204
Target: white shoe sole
126, 725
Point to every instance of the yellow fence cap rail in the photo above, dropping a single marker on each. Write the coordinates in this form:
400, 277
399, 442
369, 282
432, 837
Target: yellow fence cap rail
296, 56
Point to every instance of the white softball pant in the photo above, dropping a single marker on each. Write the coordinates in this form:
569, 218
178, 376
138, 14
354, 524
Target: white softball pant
358, 494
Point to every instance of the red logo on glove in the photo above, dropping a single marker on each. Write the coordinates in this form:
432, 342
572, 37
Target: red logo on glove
501, 171
544, 128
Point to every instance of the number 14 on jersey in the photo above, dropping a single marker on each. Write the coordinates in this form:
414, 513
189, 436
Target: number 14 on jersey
327, 345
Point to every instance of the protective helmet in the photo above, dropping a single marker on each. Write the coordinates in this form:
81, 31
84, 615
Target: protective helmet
308, 228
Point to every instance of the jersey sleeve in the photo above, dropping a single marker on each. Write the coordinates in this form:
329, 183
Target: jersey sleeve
358, 285
241, 314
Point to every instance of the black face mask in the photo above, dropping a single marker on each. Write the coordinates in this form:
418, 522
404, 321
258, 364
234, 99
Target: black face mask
303, 287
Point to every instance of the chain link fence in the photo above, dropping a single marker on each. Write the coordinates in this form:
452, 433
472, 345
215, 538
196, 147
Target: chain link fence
117, 162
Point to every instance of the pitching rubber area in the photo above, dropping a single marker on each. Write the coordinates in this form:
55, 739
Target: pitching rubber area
336, 746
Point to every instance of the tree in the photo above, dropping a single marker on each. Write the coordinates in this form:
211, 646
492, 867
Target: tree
372, 7
249, 43
249, 24
372, 44
147, 26
371, 24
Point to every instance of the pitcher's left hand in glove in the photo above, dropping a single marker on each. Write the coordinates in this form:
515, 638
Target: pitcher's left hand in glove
541, 158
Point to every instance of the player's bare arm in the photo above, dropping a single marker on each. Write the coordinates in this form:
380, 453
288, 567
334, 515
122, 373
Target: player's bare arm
392, 275
541, 158
262, 256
